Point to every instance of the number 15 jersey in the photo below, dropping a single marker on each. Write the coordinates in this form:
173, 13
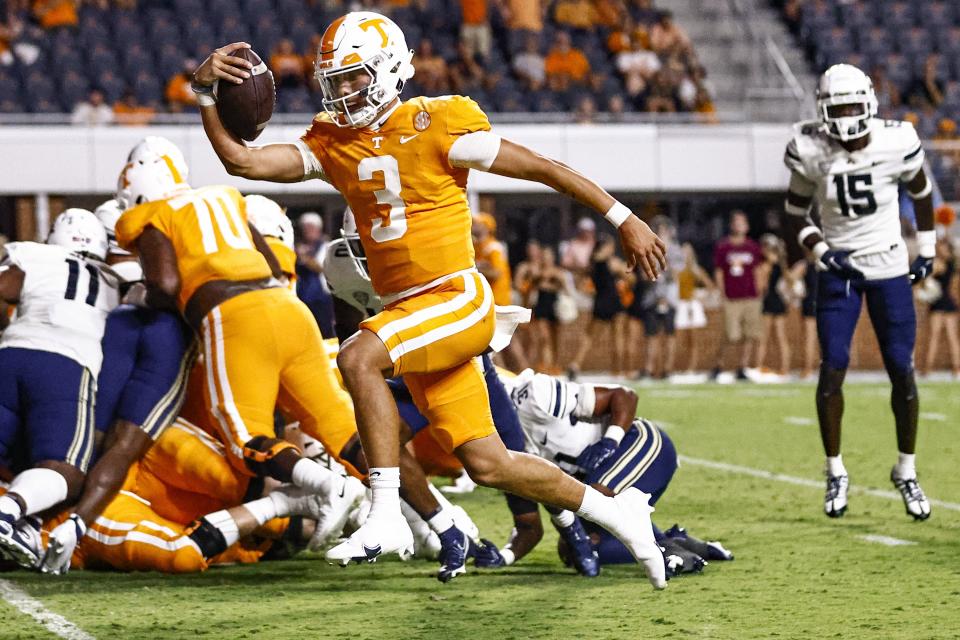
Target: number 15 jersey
410, 203
858, 191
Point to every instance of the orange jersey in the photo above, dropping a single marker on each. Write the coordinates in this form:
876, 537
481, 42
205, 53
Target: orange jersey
210, 235
410, 203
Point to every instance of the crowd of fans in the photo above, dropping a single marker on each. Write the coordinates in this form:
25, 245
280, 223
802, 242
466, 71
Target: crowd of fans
584, 57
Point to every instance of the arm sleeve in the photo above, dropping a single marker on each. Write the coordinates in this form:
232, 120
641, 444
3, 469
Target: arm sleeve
793, 160
477, 150
463, 117
913, 157
311, 165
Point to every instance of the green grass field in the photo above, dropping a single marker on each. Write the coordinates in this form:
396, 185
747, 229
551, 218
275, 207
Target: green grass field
797, 573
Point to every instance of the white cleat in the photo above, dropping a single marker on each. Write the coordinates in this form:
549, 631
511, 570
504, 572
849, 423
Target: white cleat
334, 511
20, 541
379, 535
835, 498
463, 484
635, 530
914, 499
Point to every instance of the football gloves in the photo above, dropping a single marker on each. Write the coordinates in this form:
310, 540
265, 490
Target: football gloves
920, 269
486, 555
63, 541
596, 454
838, 262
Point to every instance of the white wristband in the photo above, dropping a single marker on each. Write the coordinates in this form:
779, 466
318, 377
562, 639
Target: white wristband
927, 243
206, 100
615, 432
819, 249
508, 556
617, 214
806, 232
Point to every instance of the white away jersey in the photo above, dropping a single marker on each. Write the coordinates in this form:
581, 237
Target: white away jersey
63, 304
858, 192
345, 280
556, 416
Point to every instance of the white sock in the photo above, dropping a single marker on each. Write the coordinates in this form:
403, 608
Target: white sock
563, 519
835, 465
598, 508
275, 505
906, 466
39, 489
385, 487
10, 507
310, 475
225, 524
442, 499
441, 520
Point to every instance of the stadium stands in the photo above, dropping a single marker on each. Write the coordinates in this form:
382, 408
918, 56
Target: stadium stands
141, 47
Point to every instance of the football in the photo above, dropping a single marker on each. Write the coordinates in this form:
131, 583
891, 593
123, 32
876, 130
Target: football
246, 108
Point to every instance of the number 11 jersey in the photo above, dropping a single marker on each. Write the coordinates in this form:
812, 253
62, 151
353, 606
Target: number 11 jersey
858, 191
410, 203
63, 304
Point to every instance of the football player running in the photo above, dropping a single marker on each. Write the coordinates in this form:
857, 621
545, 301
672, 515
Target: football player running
403, 167
852, 164
50, 357
261, 347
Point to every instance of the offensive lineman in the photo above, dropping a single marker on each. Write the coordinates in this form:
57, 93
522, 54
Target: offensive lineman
852, 163
50, 357
402, 167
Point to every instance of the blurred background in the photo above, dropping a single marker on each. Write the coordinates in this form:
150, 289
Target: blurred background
680, 108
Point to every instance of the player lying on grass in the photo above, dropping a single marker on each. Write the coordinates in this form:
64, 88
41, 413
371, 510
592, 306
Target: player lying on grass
853, 164
50, 356
590, 431
403, 167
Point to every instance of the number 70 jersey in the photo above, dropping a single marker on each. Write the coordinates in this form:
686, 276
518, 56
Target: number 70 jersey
858, 192
409, 202
63, 305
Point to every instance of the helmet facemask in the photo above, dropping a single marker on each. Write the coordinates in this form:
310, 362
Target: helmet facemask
848, 126
386, 82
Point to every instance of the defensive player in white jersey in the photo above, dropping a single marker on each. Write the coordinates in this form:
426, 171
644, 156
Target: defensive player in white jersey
853, 163
50, 357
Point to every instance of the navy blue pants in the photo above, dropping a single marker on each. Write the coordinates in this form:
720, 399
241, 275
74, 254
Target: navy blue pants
504, 414
147, 355
47, 407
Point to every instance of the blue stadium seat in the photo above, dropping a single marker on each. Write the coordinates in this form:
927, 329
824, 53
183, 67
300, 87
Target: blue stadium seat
45, 105
111, 84
168, 60
147, 88
38, 86
233, 30
74, 88
10, 103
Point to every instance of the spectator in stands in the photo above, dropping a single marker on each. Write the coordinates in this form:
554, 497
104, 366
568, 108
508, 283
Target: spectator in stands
586, 110
548, 281
888, 95
618, 40
579, 15
311, 285
475, 27
735, 262
52, 14
9, 31
575, 253
287, 65
128, 111
667, 37
565, 65
690, 317
310, 61
616, 105
660, 97
927, 90
643, 12
178, 93
93, 111
523, 17
777, 287
529, 65
704, 106
466, 73
944, 314
638, 65
431, 70
610, 14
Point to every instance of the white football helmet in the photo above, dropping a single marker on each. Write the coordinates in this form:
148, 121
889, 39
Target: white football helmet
155, 169
362, 43
354, 247
844, 84
268, 218
108, 213
79, 231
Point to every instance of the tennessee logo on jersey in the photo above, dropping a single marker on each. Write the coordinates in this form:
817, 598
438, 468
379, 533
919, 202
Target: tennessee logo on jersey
410, 203
209, 231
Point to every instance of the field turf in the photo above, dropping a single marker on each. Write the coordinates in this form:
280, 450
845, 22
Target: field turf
797, 574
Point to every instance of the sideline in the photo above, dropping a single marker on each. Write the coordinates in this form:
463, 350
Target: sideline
52, 622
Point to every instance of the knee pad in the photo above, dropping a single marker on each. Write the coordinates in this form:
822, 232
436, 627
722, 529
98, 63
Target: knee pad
259, 454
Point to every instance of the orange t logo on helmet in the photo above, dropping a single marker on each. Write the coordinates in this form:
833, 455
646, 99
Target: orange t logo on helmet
375, 23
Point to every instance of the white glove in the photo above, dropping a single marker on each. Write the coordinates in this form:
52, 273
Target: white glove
63, 540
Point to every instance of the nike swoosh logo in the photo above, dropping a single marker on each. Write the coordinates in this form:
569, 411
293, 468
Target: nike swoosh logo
406, 139
544, 439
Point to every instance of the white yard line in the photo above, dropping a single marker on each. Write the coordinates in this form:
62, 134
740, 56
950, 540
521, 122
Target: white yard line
799, 421
803, 482
936, 417
53, 622
886, 540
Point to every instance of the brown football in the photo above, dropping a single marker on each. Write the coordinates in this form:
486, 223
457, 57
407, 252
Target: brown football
246, 108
